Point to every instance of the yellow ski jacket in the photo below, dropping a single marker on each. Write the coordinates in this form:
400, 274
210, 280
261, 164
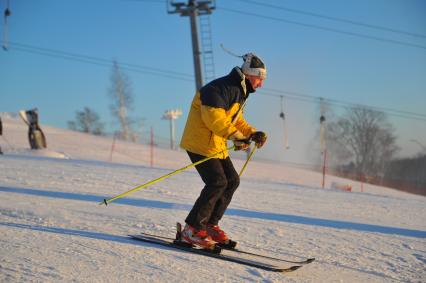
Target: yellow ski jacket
216, 114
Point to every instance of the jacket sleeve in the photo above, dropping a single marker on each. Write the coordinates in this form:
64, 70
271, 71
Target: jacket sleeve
216, 120
245, 128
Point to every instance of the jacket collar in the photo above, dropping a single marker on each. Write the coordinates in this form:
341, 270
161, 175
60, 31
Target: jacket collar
237, 75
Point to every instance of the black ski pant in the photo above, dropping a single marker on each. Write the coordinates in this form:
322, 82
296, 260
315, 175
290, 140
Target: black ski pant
221, 180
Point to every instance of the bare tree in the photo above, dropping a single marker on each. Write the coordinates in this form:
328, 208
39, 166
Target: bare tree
122, 100
87, 121
365, 138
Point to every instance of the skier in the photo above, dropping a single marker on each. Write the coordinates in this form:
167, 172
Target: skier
216, 115
35, 134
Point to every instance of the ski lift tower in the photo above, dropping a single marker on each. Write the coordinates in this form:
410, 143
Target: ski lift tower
193, 9
172, 115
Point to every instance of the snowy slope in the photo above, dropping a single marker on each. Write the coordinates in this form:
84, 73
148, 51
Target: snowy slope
53, 230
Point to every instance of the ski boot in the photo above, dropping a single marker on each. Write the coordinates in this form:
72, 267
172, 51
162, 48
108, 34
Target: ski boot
219, 236
190, 236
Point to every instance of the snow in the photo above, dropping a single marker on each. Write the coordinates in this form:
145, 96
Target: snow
52, 228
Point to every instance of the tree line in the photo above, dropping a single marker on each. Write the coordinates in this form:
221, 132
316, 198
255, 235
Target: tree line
120, 93
362, 146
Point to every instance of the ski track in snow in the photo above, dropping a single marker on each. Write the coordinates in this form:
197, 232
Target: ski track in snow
52, 228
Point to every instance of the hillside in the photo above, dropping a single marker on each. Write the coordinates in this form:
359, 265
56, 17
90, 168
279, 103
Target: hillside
53, 230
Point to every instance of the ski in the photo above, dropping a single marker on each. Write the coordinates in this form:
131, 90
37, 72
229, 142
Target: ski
172, 243
306, 261
302, 262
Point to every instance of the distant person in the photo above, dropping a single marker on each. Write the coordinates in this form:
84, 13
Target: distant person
36, 136
216, 115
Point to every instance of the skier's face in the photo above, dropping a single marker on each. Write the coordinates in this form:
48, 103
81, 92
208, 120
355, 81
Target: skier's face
255, 81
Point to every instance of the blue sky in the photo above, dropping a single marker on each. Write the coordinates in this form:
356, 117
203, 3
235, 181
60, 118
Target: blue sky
305, 53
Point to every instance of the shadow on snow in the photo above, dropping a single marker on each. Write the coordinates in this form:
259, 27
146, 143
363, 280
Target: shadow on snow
72, 232
337, 224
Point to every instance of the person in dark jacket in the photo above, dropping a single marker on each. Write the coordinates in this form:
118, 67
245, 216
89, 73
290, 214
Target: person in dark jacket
216, 115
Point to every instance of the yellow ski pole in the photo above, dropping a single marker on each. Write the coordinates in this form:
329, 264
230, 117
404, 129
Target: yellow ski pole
106, 201
248, 159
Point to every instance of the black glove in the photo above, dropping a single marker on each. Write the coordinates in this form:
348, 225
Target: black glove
241, 144
259, 138
240, 141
